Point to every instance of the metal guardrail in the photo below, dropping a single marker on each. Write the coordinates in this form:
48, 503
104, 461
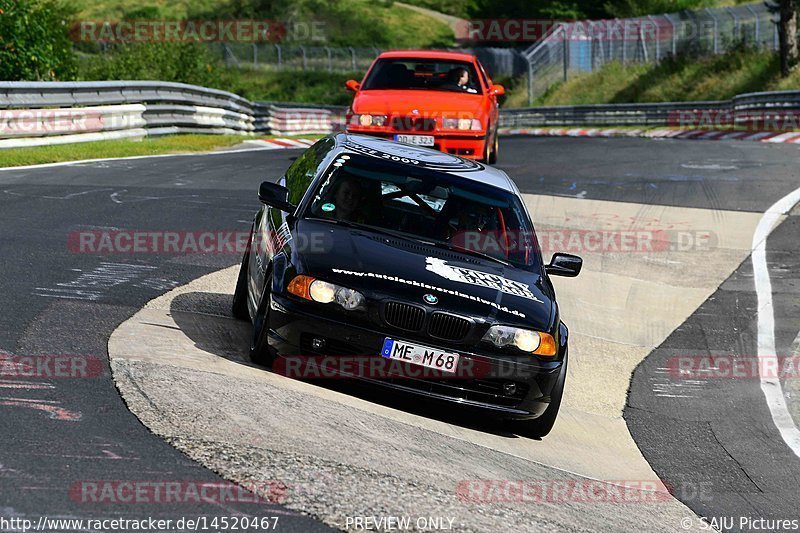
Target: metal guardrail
31, 95
51, 113
744, 109
603, 114
39, 113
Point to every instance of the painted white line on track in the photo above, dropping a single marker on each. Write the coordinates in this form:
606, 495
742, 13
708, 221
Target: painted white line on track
130, 158
771, 386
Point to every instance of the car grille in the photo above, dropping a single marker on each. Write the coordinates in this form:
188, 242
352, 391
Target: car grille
441, 325
404, 316
448, 327
413, 124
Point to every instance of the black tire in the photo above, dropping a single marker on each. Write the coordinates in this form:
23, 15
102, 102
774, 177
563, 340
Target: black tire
239, 305
487, 150
540, 427
261, 353
495, 150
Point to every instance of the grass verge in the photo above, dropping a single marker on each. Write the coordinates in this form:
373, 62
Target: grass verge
674, 80
171, 144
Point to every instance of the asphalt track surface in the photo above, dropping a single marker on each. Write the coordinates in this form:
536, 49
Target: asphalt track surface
59, 433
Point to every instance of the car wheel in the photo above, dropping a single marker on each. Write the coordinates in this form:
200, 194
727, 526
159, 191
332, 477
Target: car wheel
239, 305
495, 150
540, 427
261, 353
487, 150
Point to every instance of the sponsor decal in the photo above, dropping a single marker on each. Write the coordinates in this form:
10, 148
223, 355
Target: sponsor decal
430, 288
411, 155
479, 278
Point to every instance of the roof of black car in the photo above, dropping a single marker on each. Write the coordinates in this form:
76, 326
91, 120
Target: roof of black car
426, 158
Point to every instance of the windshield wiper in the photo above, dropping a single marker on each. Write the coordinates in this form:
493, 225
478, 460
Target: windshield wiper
365, 227
409, 237
467, 251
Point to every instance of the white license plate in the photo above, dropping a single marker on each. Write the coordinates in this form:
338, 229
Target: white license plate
420, 355
420, 140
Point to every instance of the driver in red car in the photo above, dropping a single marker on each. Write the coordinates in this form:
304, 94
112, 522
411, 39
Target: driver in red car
459, 80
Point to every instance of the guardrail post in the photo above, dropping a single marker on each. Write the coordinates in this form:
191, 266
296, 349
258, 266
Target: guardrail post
735, 24
658, 37
255, 55
716, 30
758, 26
305, 58
644, 45
624, 43
775, 44
330, 63
280, 56
565, 49
353, 56
674, 36
530, 83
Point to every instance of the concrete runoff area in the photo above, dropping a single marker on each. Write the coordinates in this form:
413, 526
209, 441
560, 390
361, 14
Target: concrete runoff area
181, 365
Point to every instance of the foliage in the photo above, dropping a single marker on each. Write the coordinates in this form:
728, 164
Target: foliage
683, 78
179, 62
34, 41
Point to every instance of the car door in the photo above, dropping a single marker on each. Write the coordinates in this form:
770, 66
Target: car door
494, 105
272, 233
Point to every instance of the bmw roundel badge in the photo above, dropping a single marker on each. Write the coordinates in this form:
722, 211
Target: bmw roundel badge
430, 299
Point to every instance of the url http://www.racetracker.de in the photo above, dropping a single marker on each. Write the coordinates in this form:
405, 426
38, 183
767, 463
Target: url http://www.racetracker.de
196, 523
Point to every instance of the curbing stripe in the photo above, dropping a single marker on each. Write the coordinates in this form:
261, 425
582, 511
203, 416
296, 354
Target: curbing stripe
661, 133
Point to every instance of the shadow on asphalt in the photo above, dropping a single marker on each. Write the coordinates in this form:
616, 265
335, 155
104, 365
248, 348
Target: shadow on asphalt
205, 318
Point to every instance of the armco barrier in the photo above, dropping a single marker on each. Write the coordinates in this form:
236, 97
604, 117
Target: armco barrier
59, 112
742, 110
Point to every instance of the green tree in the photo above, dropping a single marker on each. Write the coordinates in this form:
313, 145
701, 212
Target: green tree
788, 49
34, 41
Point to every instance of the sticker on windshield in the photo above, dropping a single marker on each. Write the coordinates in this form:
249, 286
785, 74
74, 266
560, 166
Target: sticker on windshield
410, 155
482, 279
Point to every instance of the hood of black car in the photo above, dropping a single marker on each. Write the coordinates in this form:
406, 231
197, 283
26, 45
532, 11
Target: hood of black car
387, 267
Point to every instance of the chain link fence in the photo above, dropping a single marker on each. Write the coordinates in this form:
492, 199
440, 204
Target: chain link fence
566, 50
261, 56
580, 47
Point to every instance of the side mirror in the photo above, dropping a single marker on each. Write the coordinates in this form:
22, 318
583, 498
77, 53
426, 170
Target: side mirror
276, 196
497, 90
353, 85
564, 265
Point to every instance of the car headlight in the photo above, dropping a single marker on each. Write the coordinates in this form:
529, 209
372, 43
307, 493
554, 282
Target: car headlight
527, 340
368, 120
310, 288
461, 124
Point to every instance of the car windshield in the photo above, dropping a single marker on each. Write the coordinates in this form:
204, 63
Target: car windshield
425, 205
433, 74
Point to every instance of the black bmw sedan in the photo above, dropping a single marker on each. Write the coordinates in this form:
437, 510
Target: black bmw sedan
411, 269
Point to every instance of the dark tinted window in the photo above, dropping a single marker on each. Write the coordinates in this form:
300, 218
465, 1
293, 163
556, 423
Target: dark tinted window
430, 74
425, 205
301, 173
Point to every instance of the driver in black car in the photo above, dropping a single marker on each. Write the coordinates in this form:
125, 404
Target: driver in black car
352, 200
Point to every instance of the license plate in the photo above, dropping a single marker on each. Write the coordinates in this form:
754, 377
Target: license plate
420, 355
420, 140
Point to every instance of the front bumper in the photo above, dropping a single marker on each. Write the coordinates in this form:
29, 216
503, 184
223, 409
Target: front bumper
470, 144
483, 382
